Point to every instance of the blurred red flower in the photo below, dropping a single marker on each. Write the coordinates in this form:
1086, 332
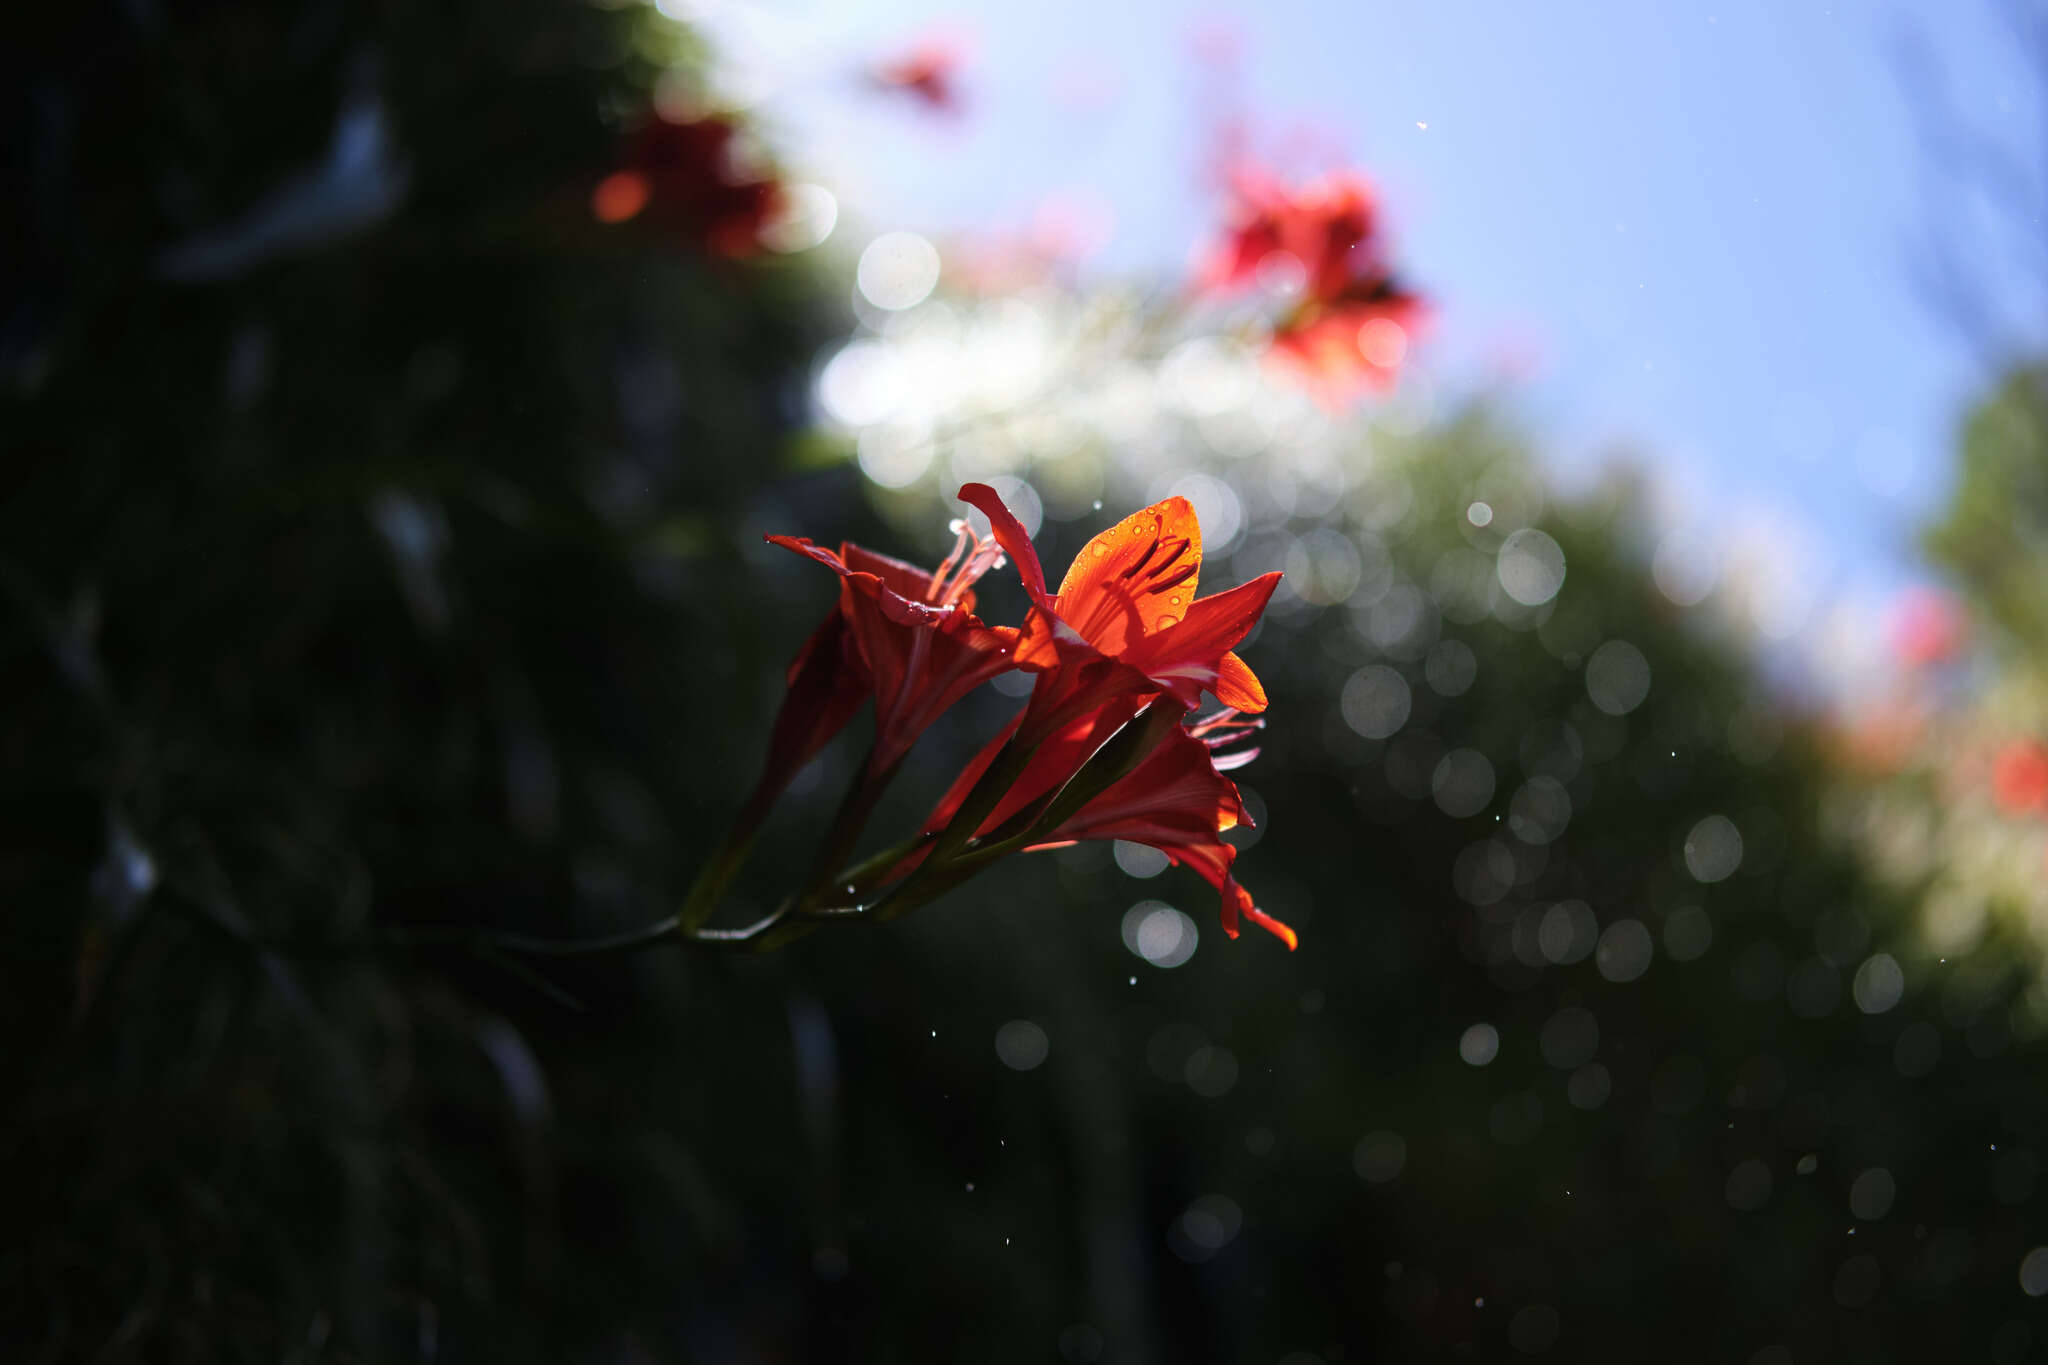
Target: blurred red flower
1351, 322
686, 178
1351, 346
2019, 777
1928, 628
928, 72
1317, 237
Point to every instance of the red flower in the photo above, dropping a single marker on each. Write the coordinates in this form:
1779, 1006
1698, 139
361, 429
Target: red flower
1126, 624
1125, 632
1101, 751
919, 645
1350, 328
927, 72
684, 177
1320, 236
827, 682
2019, 777
1927, 628
1352, 345
1176, 800
1179, 802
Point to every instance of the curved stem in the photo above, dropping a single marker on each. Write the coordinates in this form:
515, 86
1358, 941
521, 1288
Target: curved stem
530, 945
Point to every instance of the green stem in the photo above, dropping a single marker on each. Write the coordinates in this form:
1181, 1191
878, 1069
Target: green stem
845, 831
530, 945
716, 876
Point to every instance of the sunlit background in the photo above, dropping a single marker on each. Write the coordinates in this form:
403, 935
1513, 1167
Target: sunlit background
1765, 251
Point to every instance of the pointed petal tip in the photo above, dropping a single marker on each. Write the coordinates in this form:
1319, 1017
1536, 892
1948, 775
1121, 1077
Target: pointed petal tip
1273, 927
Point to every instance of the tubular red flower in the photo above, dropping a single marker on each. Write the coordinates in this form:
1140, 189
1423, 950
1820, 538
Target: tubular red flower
920, 645
1126, 632
1177, 801
826, 684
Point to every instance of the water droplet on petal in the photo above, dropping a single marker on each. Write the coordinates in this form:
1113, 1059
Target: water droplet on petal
1168, 619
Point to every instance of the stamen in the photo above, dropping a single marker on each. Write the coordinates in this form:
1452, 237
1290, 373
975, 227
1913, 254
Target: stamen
1174, 548
971, 558
1226, 727
963, 535
1186, 572
1143, 559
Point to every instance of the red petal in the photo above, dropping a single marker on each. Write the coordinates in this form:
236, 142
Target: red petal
1189, 657
905, 580
827, 681
809, 548
1009, 533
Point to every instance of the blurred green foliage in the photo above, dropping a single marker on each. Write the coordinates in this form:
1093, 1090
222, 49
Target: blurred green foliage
1994, 535
411, 576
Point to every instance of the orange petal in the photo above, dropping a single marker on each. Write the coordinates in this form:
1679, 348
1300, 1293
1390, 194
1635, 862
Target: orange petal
1135, 578
1267, 922
1238, 686
1189, 657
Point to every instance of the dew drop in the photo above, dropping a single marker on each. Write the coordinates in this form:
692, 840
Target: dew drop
1168, 619
1173, 601
1100, 548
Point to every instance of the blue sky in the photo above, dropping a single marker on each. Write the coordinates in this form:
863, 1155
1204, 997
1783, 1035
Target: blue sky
1701, 220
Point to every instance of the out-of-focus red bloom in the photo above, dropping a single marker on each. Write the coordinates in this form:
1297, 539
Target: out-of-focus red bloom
929, 72
1881, 739
619, 196
1321, 236
684, 177
919, 645
1126, 624
1352, 321
1351, 346
2019, 777
1927, 628
1064, 232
